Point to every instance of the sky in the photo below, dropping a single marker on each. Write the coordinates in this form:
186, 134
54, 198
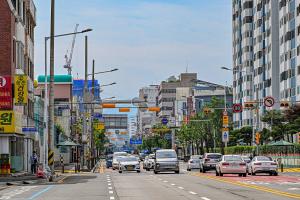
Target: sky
147, 40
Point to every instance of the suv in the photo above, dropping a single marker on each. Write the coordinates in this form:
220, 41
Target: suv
166, 160
209, 161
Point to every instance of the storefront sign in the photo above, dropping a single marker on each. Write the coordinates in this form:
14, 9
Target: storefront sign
7, 122
5, 93
21, 90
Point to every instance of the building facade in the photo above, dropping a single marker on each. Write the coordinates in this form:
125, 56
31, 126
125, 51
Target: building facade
17, 23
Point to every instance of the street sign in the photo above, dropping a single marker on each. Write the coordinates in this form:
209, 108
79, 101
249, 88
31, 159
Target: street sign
136, 141
164, 121
225, 120
269, 101
237, 108
225, 135
29, 129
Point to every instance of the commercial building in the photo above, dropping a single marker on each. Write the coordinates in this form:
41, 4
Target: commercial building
145, 118
255, 56
17, 23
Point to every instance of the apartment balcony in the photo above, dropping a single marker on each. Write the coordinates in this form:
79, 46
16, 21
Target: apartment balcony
32, 10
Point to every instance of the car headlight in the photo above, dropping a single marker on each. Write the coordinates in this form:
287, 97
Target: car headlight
137, 166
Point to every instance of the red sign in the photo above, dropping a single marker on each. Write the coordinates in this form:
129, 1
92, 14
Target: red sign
237, 108
5, 93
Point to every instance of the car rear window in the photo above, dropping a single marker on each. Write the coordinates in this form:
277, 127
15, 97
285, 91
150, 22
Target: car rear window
166, 154
233, 158
264, 158
214, 156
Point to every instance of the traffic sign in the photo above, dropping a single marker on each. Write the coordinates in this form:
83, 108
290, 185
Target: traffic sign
225, 135
237, 108
269, 101
225, 120
164, 121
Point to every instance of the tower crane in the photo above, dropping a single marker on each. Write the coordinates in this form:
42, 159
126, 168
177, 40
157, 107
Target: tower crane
68, 58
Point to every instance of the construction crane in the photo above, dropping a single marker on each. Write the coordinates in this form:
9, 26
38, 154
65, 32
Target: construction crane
69, 57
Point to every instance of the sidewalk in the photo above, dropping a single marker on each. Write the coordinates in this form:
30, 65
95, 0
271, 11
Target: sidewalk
68, 168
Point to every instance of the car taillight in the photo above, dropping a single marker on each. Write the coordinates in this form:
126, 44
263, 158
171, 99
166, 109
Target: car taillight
257, 163
225, 164
191, 161
243, 164
206, 159
273, 163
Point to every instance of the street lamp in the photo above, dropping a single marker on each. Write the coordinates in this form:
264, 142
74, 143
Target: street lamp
51, 96
252, 98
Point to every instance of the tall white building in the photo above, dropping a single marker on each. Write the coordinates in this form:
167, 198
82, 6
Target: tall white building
255, 56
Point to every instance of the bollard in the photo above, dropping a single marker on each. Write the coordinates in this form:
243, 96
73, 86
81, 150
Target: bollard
62, 164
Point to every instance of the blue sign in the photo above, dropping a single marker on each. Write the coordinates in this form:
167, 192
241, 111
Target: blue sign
168, 136
98, 116
164, 121
29, 129
136, 141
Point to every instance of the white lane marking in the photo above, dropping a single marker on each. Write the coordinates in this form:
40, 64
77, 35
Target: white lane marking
110, 188
173, 184
205, 198
160, 179
191, 192
108, 183
166, 181
293, 188
111, 198
181, 188
110, 192
18, 191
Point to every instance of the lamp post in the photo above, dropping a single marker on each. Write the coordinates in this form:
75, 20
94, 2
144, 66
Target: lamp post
252, 98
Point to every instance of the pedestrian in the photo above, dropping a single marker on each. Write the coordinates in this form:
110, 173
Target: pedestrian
34, 162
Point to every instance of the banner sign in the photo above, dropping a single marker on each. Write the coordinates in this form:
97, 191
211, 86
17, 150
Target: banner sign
5, 93
21, 91
7, 122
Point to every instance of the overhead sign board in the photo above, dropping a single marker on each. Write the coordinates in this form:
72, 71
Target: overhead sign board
21, 90
7, 122
5, 93
269, 101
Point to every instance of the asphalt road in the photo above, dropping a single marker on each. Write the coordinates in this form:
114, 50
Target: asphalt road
110, 185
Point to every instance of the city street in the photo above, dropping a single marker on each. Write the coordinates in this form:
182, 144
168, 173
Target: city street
109, 184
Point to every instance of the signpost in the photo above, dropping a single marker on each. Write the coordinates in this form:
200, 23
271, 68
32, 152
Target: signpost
164, 121
237, 108
269, 101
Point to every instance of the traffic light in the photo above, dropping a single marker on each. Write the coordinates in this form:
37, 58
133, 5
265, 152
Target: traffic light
249, 105
207, 111
257, 138
284, 104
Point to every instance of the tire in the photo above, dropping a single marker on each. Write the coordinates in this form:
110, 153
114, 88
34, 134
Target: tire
245, 175
188, 169
120, 172
138, 171
217, 174
275, 173
203, 170
240, 175
271, 173
253, 174
147, 169
221, 174
155, 172
113, 168
177, 172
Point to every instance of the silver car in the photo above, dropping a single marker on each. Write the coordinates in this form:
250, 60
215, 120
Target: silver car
166, 160
264, 164
209, 161
194, 162
231, 164
129, 163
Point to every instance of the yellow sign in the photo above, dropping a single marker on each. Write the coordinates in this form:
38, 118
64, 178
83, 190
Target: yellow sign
21, 90
7, 122
225, 120
99, 126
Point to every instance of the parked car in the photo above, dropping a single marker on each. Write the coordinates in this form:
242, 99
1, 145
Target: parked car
209, 161
247, 160
116, 157
109, 159
231, 164
129, 163
166, 160
150, 162
264, 164
194, 162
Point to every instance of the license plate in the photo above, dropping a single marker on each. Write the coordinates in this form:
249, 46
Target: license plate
130, 168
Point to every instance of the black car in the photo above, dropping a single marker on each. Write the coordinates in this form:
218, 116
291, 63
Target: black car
109, 160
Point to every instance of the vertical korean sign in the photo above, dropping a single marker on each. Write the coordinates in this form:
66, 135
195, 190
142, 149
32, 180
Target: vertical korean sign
21, 91
5, 93
7, 122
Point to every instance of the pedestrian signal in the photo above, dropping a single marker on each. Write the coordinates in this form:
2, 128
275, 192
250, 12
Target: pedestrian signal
284, 104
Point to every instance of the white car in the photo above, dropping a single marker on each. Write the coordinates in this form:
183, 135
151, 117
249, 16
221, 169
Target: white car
129, 163
150, 162
264, 164
231, 164
115, 162
194, 162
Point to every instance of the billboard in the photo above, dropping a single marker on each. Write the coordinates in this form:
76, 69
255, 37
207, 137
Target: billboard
7, 122
5, 93
21, 91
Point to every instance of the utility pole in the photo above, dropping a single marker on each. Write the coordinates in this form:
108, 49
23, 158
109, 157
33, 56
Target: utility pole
51, 89
92, 117
85, 99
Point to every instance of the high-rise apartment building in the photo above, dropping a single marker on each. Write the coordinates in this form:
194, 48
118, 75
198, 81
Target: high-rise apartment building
255, 55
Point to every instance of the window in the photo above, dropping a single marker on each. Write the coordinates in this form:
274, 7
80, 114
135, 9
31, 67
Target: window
282, 4
247, 19
248, 4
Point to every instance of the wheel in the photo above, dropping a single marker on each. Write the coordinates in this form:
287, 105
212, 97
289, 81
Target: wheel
271, 173
240, 175
253, 173
188, 169
113, 168
275, 173
120, 172
155, 172
177, 172
245, 175
147, 169
138, 171
217, 174
221, 174
203, 170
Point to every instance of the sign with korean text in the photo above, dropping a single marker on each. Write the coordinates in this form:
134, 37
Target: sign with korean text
225, 120
21, 91
99, 126
7, 122
5, 93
